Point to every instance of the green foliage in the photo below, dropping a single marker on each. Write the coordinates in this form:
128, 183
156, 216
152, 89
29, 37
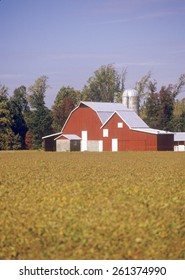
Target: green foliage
19, 109
104, 85
92, 205
160, 110
66, 100
6, 134
39, 120
37, 92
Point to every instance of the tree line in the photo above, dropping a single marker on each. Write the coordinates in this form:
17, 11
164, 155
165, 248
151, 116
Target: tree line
25, 118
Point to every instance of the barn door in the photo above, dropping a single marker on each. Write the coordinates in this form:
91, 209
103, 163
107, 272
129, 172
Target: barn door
100, 146
114, 145
84, 141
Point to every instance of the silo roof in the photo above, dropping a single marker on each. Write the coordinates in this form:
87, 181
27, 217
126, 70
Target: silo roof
130, 92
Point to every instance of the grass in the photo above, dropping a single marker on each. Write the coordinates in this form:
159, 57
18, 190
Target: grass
92, 205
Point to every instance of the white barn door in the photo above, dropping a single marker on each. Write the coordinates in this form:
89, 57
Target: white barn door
100, 146
114, 145
84, 141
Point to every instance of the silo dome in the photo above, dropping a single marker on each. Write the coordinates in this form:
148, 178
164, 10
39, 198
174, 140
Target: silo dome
130, 92
130, 99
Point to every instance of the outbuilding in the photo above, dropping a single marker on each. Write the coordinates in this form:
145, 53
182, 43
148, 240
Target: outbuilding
179, 141
68, 143
49, 142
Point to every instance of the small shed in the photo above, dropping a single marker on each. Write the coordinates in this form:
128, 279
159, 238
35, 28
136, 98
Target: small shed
179, 141
68, 143
49, 142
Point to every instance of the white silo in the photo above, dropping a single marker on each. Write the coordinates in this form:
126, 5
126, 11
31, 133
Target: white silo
130, 100
125, 99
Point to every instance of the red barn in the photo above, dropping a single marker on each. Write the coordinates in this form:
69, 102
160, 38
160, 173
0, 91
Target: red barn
102, 126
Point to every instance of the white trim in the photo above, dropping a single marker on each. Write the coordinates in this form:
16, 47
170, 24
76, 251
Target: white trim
70, 116
55, 134
84, 141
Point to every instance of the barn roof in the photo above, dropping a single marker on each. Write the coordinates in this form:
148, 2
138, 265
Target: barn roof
106, 110
132, 119
104, 106
152, 130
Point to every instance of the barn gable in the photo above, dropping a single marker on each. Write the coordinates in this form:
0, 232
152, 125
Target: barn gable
130, 118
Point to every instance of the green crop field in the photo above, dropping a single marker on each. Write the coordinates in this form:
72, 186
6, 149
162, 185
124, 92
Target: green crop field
128, 205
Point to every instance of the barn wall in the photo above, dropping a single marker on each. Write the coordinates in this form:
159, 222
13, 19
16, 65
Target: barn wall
128, 140
165, 142
62, 145
84, 119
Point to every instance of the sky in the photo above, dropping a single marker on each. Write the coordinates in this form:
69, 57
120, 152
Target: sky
67, 40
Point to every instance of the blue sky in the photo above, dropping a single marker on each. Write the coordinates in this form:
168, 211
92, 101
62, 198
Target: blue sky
67, 40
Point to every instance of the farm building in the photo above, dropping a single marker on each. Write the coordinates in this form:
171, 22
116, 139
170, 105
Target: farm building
102, 126
179, 141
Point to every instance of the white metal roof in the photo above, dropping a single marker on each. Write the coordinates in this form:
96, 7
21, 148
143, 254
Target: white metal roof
104, 106
132, 119
104, 116
55, 134
105, 110
179, 136
152, 130
69, 136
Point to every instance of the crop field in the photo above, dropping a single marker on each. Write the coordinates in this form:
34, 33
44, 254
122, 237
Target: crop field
128, 205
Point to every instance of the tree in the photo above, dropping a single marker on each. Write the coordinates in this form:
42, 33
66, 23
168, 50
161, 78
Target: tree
19, 109
66, 100
105, 85
8, 140
166, 108
144, 89
159, 107
39, 120
151, 106
179, 115
37, 92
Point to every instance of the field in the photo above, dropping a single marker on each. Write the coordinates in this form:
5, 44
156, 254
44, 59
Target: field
128, 205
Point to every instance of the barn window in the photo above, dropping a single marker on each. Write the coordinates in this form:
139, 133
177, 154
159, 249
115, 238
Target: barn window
105, 132
120, 124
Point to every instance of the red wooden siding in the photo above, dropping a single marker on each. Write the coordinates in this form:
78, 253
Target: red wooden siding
128, 140
84, 119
